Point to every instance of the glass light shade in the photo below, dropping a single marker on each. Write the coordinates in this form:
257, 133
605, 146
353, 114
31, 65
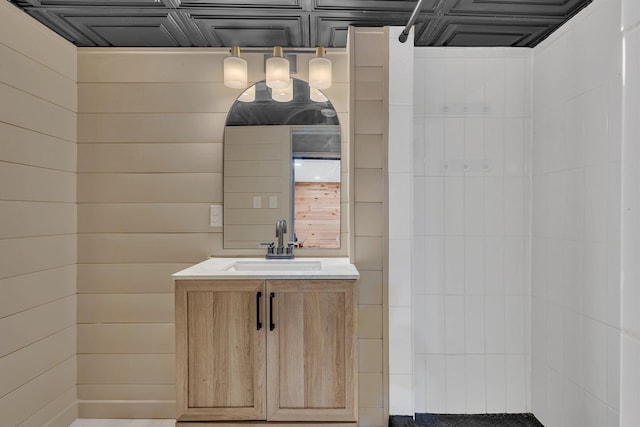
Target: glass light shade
277, 73
235, 72
316, 95
320, 73
283, 95
248, 95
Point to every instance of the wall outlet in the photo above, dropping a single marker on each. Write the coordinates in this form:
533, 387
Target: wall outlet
257, 202
215, 215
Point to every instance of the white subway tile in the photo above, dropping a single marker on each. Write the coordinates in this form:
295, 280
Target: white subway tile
496, 383
474, 266
455, 385
436, 383
494, 266
515, 311
418, 146
573, 408
494, 148
421, 332
495, 325
516, 386
419, 206
434, 262
595, 411
401, 394
454, 324
514, 138
420, 383
474, 206
475, 384
434, 86
573, 347
474, 325
454, 265
400, 273
434, 324
595, 358
554, 337
493, 206
434, 146
434, 206
454, 206
554, 399
514, 266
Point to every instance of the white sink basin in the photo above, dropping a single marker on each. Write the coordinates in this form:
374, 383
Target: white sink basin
276, 265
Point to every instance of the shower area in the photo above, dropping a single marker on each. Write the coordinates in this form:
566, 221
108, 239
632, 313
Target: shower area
524, 184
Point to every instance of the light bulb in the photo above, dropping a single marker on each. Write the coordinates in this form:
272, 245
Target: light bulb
235, 70
317, 96
320, 70
283, 95
277, 70
248, 95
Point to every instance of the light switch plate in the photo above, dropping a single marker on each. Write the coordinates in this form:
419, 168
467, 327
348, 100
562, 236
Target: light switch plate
257, 202
273, 202
215, 215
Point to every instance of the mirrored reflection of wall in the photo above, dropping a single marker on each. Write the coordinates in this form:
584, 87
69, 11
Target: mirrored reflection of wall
316, 194
257, 169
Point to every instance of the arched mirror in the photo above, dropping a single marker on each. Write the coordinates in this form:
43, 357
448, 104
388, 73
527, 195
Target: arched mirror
282, 160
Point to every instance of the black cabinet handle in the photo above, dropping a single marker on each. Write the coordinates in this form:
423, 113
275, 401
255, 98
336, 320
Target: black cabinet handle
258, 322
272, 326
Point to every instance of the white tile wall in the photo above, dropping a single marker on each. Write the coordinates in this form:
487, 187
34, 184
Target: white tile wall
576, 221
402, 360
471, 134
629, 380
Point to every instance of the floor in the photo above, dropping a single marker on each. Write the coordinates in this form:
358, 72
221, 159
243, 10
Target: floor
123, 423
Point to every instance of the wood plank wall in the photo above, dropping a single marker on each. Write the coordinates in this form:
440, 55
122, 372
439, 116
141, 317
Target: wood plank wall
38, 224
150, 133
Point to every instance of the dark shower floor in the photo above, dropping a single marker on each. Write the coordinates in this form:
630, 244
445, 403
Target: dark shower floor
476, 420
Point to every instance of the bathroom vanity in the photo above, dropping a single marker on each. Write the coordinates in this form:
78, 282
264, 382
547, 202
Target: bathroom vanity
267, 342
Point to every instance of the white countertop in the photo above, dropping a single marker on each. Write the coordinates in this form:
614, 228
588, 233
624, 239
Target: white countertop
222, 268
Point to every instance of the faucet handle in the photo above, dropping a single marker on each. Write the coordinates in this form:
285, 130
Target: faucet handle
289, 248
270, 246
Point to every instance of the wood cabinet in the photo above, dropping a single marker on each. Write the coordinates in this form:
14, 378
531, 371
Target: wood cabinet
266, 351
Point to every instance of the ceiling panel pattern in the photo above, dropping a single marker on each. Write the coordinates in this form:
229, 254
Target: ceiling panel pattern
296, 23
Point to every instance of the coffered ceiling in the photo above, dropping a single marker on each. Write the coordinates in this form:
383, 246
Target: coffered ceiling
296, 23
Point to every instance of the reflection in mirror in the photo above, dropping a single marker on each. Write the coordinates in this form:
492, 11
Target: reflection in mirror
282, 161
316, 186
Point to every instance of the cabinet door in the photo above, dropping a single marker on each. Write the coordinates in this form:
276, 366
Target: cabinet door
220, 350
312, 369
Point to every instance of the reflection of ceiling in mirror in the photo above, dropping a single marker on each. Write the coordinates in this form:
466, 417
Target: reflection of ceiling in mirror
301, 110
317, 170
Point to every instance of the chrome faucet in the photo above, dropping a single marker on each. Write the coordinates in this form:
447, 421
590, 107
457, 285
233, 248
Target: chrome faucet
279, 252
281, 228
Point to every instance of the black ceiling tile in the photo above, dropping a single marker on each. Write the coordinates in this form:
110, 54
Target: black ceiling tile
189, 28
253, 4
517, 8
53, 4
396, 6
260, 30
108, 27
61, 26
485, 32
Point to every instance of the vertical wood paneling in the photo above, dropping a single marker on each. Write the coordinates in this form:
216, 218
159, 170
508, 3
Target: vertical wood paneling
38, 216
